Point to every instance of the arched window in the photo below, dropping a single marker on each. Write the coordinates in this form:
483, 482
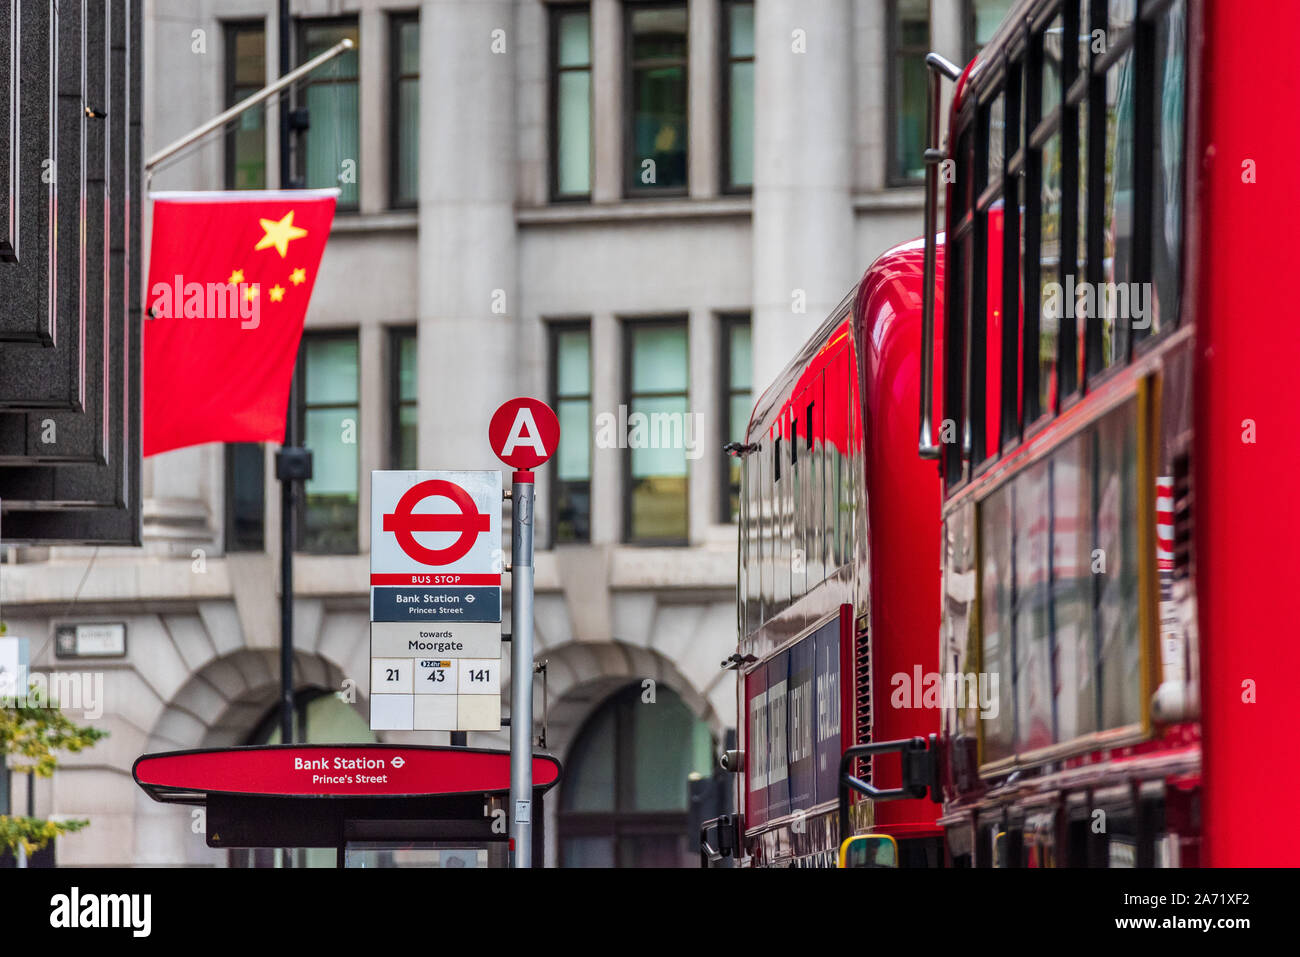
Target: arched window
624, 794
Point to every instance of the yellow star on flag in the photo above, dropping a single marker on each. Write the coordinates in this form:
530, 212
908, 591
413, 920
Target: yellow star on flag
299, 277
236, 276
250, 293
277, 292
279, 234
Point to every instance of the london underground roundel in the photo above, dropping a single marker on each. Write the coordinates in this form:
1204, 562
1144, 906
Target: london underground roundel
524, 432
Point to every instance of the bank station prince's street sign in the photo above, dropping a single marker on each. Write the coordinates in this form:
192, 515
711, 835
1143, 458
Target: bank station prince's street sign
435, 601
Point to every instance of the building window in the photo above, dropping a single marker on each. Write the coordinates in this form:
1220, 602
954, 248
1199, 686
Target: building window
738, 157
245, 162
983, 17
570, 102
737, 398
245, 497
328, 152
657, 107
404, 411
624, 798
328, 420
657, 422
571, 399
909, 42
404, 144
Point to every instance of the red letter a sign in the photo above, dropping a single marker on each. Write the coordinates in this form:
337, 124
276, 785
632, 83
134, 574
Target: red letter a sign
230, 276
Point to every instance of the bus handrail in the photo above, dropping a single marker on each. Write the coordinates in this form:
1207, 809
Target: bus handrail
935, 65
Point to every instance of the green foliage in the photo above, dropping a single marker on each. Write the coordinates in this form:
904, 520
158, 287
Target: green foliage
32, 832
32, 733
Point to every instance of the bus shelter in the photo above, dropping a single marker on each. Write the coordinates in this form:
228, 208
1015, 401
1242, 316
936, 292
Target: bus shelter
376, 804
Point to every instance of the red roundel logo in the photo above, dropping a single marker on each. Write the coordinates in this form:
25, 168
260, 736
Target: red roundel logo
524, 432
468, 522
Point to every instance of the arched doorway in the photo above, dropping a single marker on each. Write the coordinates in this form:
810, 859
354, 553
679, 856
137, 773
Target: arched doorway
626, 779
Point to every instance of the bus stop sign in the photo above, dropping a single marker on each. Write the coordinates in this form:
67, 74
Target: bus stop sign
524, 433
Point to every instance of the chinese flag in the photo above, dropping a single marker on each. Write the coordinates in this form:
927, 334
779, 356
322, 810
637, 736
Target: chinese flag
230, 276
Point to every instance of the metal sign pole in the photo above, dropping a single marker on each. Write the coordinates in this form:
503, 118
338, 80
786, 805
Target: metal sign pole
521, 668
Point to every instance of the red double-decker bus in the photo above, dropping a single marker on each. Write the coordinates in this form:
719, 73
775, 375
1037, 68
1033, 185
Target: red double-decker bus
1100, 352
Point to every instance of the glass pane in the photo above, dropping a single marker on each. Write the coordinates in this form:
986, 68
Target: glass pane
1052, 59
664, 750
659, 360
997, 138
409, 47
1072, 574
740, 360
659, 34
573, 362
589, 778
658, 127
246, 498
408, 440
659, 509
573, 132
996, 514
1117, 522
333, 721
250, 57
988, 15
742, 29
1117, 231
909, 128
1049, 277
587, 852
574, 39
572, 511
331, 436
407, 187
741, 156
738, 409
573, 458
332, 144
1033, 636
406, 366
331, 370
657, 436
319, 37
1167, 192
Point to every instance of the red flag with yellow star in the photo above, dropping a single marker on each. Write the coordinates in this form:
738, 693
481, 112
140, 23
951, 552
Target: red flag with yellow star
230, 276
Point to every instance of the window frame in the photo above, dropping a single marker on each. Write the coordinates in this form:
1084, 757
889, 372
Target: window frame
727, 60
229, 28
894, 177
628, 176
300, 395
397, 19
629, 327
396, 336
553, 328
301, 24
554, 13
228, 497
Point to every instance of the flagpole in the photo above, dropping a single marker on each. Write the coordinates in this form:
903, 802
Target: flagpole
290, 455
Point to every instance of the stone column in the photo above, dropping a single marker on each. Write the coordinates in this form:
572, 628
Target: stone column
804, 259
607, 100
606, 464
468, 284
705, 91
